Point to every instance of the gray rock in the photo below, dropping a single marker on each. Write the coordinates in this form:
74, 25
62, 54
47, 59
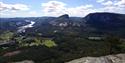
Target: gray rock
119, 58
25, 61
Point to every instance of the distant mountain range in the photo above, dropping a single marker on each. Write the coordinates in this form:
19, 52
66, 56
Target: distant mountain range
92, 23
62, 39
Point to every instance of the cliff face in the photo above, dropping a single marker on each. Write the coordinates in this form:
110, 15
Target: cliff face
119, 58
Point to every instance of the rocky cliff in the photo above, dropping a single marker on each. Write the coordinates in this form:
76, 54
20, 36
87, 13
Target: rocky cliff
119, 58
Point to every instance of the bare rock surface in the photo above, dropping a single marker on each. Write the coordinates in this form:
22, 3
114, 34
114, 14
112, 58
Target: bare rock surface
119, 58
25, 61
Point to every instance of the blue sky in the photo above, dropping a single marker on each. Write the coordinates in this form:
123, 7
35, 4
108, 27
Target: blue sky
79, 8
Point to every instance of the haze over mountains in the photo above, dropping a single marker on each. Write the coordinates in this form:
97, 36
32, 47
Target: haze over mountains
93, 22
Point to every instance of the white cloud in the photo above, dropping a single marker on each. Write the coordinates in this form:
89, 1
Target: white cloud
116, 6
100, 1
14, 10
19, 14
3, 14
108, 3
33, 13
13, 7
120, 3
53, 8
80, 10
56, 8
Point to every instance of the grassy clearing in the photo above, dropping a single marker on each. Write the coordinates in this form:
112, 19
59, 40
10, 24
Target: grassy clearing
49, 43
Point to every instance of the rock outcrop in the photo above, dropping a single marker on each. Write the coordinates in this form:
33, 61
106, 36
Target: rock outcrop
61, 21
119, 58
25, 61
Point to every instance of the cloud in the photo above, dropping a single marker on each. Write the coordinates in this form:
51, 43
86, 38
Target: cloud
56, 8
33, 13
116, 6
80, 10
3, 14
108, 3
115, 3
53, 8
120, 3
20, 14
13, 10
13, 7
99, 1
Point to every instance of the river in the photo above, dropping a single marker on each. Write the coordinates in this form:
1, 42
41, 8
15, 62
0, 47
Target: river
23, 28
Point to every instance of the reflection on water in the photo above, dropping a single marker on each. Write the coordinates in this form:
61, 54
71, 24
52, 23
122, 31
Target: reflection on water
22, 28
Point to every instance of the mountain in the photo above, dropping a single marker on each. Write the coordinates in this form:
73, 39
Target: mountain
61, 21
106, 20
12, 23
65, 20
94, 23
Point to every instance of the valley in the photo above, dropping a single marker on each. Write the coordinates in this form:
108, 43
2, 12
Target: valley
61, 39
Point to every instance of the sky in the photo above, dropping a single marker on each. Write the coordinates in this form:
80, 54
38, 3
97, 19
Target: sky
55, 8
